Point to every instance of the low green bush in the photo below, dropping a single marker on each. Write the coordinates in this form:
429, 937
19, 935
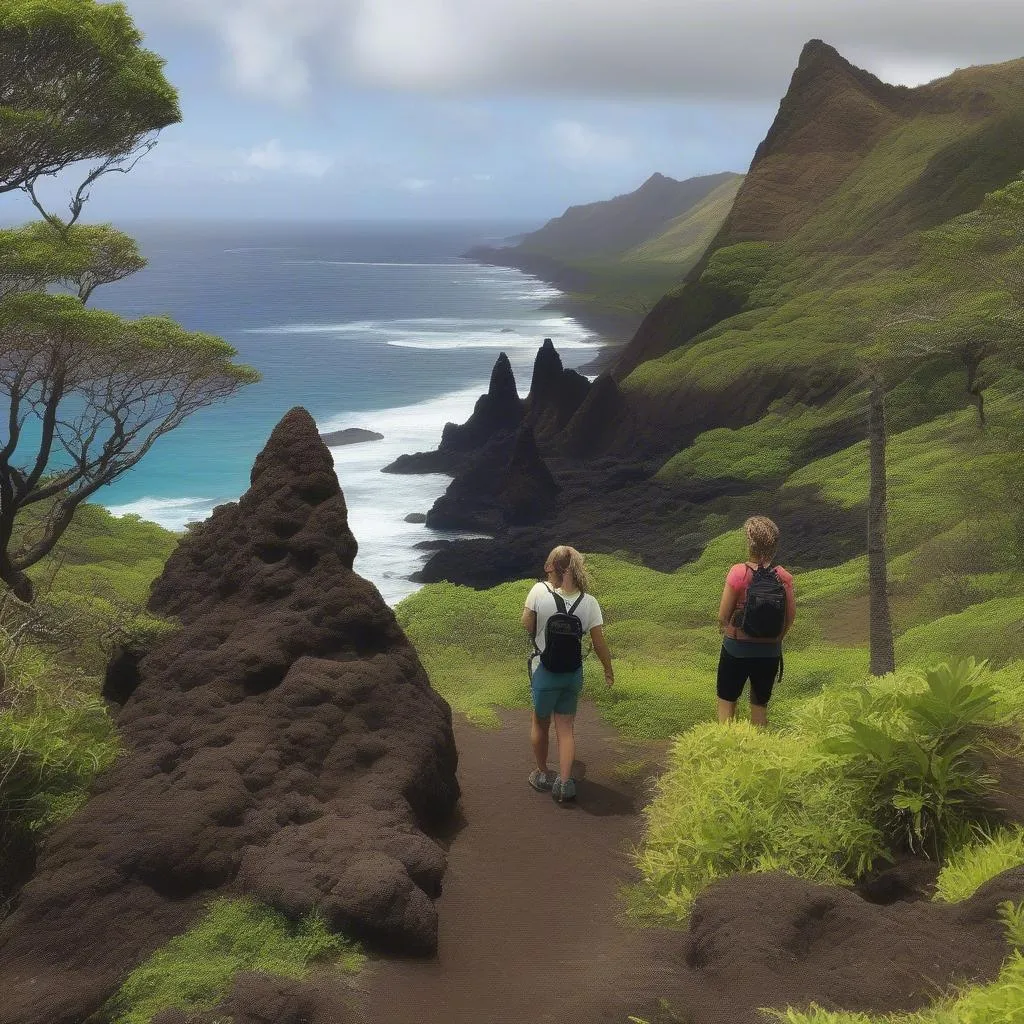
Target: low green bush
971, 866
741, 800
194, 971
917, 753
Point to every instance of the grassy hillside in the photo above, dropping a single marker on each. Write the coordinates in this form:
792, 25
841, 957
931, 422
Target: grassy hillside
608, 230
616, 258
685, 238
55, 731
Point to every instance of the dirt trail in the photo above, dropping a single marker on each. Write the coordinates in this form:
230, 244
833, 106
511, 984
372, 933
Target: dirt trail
530, 916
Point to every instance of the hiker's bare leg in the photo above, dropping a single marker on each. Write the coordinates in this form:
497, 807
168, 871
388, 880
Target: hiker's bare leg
726, 710
539, 733
759, 714
566, 744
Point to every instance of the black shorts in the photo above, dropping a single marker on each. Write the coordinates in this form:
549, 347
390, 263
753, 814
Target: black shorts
734, 672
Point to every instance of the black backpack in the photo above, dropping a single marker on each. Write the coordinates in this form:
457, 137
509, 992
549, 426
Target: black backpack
764, 612
563, 637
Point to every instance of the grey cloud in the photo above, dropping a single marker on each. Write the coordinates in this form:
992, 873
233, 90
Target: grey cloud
706, 49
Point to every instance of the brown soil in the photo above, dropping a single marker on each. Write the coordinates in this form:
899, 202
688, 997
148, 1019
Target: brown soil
529, 914
531, 927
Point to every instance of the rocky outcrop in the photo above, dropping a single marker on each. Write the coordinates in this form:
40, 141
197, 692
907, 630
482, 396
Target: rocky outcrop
555, 393
499, 411
497, 415
804, 942
528, 491
284, 743
350, 435
264, 999
508, 483
602, 420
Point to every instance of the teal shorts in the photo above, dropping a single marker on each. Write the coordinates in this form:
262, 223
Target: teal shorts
554, 692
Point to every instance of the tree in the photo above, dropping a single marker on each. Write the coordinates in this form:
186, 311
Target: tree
100, 390
882, 656
75, 85
88, 392
965, 301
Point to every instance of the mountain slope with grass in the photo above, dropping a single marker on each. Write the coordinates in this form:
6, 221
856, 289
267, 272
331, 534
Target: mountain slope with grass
878, 232
850, 167
617, 257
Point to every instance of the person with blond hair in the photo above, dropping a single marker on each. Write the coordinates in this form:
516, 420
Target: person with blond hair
755, 614
558, 614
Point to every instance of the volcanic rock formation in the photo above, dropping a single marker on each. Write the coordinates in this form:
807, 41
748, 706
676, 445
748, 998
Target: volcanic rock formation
507, 484
499, 411
804, 942
284, 743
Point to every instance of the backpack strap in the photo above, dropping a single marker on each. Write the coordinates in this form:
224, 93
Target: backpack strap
576, 603
559, 600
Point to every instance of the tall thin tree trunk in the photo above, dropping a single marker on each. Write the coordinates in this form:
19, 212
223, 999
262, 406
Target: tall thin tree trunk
883, 658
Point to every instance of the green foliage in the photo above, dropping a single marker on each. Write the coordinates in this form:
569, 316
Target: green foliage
36, 256
195, 970
971, 866
55, 736
78, 86
916, 752
1012, 916
740, 800
741, 269
684, 240
55, 732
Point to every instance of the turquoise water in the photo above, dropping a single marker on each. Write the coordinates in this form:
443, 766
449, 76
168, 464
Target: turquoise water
380, 327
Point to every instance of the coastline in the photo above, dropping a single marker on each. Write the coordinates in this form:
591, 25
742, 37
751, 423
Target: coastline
614, 328
384, 511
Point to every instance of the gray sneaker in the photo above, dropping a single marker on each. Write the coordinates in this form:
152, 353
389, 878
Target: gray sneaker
541, 781
563, 791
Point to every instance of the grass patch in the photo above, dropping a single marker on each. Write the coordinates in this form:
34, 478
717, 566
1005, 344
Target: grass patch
194, 971
970, 867
739, 800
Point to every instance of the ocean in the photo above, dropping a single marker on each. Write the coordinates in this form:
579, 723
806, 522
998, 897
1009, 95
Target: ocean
381, 327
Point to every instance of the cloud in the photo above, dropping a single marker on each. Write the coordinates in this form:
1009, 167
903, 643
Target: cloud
415, 184
578, 145
176, 160
272, 156
725, 49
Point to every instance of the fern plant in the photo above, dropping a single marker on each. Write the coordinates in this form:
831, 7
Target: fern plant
919, 752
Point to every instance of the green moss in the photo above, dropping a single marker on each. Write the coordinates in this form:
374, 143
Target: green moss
194, 971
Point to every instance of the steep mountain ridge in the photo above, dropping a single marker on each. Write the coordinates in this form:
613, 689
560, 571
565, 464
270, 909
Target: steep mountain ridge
614, 226
852, 165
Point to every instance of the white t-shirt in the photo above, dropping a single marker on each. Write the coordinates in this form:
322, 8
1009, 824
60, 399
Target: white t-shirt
539, 600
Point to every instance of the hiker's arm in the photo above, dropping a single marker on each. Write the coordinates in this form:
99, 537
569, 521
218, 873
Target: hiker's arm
530, 621
601, 650
790, 610
726, 607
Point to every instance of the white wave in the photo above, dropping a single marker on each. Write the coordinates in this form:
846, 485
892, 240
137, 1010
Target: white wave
170, 513
371, 263
378, 504
505, 342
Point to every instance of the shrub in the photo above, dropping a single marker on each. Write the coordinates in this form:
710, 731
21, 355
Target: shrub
741, 800
970, 867
916, 751
194, 971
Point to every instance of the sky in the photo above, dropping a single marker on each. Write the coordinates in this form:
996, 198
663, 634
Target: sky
493, 109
